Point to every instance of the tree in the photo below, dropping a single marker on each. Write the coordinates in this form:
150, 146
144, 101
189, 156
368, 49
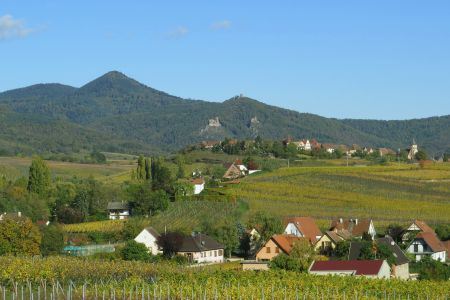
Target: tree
135, 251
19, 236
443, 232
146, 202
148, 173
170, 243
342, 249
395, 231
300, 258
98, 157
430, 269
52, 240
140, 171
39, 176
180, 167
161, 176
445, 158
421, 155
226, 234
267, 225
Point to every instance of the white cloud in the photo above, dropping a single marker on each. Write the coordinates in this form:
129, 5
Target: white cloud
178, 32
225, 24
11, 28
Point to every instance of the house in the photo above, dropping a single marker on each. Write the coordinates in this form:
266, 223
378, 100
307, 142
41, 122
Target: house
328, 241
416, 227
330, 148
356, 227
279, 243
368, 150
365, 268
118, 210
200, 248
149, 236
412, 151
303, 145
209, 144
386, 151
235, 170
400, 269
315, 144
427, 243
302, 227
199, 185
13, 216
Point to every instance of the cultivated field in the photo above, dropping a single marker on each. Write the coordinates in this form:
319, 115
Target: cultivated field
136, 280
389, 194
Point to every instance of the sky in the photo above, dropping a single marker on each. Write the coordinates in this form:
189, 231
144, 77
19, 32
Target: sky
343, 59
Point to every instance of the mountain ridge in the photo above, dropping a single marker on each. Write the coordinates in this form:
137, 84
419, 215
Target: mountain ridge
132, 117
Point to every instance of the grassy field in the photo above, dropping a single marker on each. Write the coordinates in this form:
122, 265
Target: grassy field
388, 194
113, 171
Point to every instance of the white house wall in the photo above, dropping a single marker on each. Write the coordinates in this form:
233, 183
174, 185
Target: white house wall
149, 241
292, 229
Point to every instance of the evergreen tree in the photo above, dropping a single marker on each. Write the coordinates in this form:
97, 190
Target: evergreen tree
180, 165
148, 173
140, 171
39, 176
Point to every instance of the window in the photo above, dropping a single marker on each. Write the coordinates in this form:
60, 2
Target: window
267, 249
215, 253
220, 252
277, 250
416, 248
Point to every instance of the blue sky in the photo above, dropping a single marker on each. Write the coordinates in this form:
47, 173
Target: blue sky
343, 59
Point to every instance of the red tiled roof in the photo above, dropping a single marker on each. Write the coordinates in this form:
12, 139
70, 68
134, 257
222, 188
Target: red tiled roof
431, 239
306, 225
423, 226
360, 267
355, 229
286, 241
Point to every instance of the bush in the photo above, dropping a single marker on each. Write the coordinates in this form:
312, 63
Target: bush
52, 240
135, 251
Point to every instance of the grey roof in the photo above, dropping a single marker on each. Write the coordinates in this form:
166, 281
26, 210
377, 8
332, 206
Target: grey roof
152, 231
400, 257
198, 243
118, 205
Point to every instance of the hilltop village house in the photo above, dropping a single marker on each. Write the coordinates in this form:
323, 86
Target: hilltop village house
118, 210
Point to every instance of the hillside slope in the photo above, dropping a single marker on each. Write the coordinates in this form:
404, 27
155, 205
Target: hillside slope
116, 113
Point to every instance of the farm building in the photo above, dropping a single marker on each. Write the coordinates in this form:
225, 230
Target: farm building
366, 268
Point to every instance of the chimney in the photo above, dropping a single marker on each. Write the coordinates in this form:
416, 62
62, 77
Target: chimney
356, 221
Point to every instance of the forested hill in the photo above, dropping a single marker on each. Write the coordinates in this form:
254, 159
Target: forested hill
117, 113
